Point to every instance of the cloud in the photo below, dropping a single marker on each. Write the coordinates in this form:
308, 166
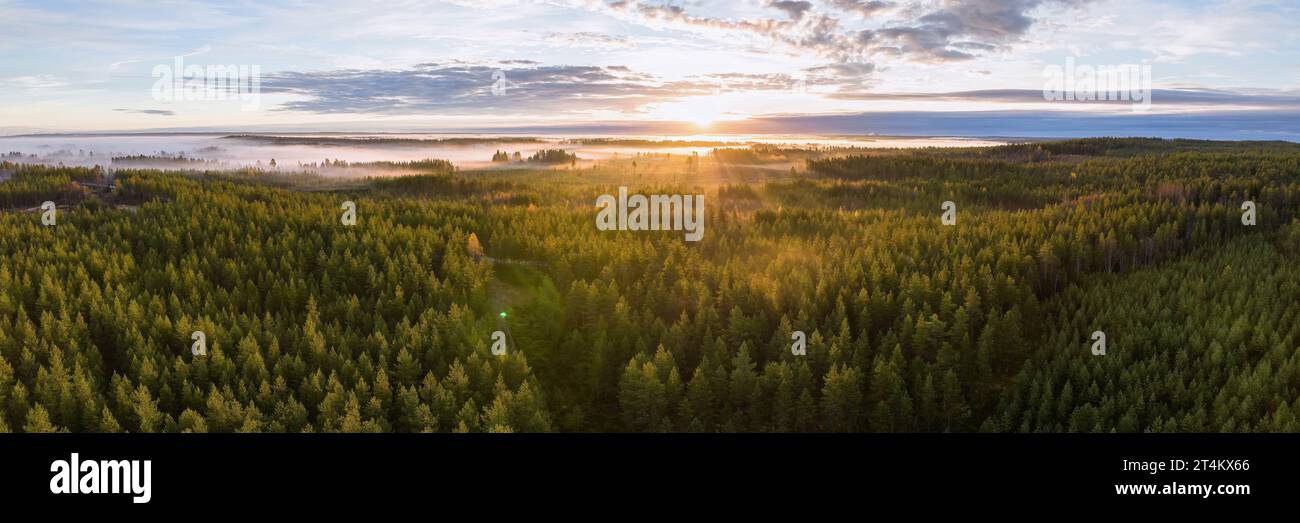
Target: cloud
931, 32
523, 86
844, 75
957, 31
1186, 98
863, 8
200, 50
793, 9
750, 82
155, 112
805, 32
32, 82
923, 31
1216, 125
478, 89
588, 39
460, 88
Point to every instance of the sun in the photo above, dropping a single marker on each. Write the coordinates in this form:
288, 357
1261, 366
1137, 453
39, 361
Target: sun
703, 121
700, 112
705, 118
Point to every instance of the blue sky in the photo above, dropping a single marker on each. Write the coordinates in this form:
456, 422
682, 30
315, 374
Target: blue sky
707, 66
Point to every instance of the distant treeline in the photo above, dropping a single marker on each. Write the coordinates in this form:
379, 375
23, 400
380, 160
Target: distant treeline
427, 164
159, 159
1106, 146
543, 156
636, 142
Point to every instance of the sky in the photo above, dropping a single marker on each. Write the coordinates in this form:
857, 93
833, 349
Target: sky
1208, 68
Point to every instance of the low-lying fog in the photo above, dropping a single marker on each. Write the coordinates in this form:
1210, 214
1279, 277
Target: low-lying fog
214, 151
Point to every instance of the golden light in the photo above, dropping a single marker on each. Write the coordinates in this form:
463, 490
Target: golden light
703, 121
703, 112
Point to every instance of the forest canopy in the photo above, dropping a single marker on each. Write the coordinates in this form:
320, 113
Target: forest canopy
911, 325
